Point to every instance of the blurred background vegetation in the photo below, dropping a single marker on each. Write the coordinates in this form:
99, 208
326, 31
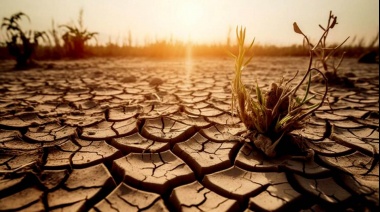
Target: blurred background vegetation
72, 42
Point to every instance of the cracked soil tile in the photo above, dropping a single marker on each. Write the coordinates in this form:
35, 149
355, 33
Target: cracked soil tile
308, 168
11, 160
350, 113
59, 156
207, 111
205, 156
126, 198
195, 197
21, 200
223, 132
122, 113
106, 91
347, 138
49, 132
9, 185
279, 197
325, 189
52, 179
347, 124
355, 163
94, 152
224, 119
11, 140
166, 130
82, 120
328, 147
311, 132
83, 185
160, 110
138, 144
22, 120
196, 121
252, 159
53, 109
157, 172
329, 116
106, 130
42, 98
239, 184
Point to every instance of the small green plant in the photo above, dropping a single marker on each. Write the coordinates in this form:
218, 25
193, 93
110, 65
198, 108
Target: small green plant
278, 111
76, 37
326, 54
21, 44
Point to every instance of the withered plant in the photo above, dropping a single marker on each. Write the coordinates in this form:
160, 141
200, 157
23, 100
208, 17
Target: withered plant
21, 44
76, 37
277, 112
325, 54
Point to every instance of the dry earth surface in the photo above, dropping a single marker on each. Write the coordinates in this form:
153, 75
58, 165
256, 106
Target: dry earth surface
158, 135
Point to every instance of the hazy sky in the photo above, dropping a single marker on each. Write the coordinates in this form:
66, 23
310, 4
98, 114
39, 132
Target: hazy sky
269, 21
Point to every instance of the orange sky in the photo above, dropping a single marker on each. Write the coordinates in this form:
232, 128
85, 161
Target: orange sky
204, 21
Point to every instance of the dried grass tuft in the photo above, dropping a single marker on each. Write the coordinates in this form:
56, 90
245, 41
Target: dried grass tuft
281, 109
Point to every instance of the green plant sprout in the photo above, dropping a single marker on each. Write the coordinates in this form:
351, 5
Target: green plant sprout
21, 44
277, 112
76, 37
325, 54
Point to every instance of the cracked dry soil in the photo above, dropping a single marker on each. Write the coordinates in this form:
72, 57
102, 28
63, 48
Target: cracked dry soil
159, 135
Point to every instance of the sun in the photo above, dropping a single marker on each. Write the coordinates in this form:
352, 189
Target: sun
189, 15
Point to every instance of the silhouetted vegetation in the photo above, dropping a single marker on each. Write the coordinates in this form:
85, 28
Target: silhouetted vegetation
325, 54
371, 52
71, 41
21, 44
55, 49
75, 38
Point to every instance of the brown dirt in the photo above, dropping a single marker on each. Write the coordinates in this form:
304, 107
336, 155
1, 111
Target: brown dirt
159, 135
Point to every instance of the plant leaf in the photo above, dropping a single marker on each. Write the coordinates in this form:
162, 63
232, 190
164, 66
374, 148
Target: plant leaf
297, 29
259, 94
334, 22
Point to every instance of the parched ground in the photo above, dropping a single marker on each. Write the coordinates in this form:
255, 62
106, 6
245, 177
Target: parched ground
159, 135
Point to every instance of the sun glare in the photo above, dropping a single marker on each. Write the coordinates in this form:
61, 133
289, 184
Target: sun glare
188, 16
200, 21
